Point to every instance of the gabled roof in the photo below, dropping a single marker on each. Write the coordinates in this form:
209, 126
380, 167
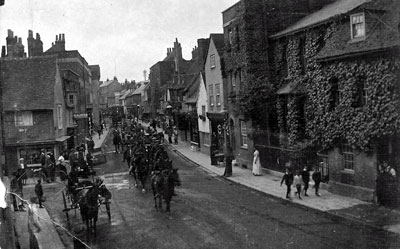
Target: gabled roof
328, 12
124, 93
218, 42
141, 88
28, 83
106, 83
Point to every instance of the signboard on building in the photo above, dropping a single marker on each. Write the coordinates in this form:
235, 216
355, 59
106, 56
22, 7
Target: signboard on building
80, 115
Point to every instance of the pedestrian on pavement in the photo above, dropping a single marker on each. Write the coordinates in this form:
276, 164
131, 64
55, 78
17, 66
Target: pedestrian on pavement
39, 192
228, 162
175, 135
169, 133
256, 162
14, 190
298, 180
305, 174
19, 189
316, 176
22, 170
288, 179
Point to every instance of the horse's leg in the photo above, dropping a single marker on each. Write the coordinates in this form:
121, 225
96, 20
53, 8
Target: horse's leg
167, 202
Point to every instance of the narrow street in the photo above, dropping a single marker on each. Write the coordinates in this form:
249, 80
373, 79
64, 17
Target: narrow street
209, 212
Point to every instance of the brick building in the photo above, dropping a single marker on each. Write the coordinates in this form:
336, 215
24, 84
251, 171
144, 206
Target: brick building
34, 109
47, 98
247, 25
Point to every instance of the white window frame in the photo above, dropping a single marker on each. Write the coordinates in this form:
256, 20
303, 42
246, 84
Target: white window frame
243, 134
212, 61
211, 95
218, 94
348, 157
357, 22
23, 118
59, 117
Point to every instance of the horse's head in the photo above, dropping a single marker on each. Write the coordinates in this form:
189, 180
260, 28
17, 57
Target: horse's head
174, 176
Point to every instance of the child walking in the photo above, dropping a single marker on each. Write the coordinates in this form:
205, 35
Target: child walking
297, 182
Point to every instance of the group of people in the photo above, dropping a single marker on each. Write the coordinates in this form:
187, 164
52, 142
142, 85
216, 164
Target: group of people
301, 178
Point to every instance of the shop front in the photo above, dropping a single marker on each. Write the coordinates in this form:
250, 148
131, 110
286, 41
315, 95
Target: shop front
217, 123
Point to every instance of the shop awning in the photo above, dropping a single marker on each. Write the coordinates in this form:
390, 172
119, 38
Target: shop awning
62, 138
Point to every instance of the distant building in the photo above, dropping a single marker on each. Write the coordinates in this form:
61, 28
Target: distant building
107, 95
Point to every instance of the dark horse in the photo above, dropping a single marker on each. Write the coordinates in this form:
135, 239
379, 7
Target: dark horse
163, 184
140, 171
89, 203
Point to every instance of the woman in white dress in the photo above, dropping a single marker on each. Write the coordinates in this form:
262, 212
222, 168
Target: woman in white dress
256, 163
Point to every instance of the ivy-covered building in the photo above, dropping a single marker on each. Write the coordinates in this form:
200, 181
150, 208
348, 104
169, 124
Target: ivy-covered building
336, 76
247, 25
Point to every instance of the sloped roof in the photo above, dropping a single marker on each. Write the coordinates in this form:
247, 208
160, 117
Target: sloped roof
328, 12
381, 33
124, 93
141, 88
218, 42
28, 83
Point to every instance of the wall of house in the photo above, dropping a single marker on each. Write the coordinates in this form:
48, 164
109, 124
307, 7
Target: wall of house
59, 99
204, 124
359, 183
42, 128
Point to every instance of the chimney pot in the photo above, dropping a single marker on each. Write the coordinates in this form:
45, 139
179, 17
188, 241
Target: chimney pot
20, 40
37, 36
63, 37
30, 33
10, 33
56, 37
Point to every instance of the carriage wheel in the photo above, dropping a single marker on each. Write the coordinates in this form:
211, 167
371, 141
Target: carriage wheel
108, 209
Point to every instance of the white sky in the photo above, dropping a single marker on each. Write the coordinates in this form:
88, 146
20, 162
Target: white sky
122, 36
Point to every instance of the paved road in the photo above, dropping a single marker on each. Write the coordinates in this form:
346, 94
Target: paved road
211, 212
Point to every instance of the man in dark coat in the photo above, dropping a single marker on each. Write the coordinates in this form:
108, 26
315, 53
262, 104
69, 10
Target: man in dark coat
39, 192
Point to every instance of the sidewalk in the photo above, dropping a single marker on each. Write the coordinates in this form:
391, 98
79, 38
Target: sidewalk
337, 206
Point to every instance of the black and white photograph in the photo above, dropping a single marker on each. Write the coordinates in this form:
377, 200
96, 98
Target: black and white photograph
200, 124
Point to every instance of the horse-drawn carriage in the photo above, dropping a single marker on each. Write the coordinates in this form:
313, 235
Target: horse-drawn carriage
151, 161
88, 196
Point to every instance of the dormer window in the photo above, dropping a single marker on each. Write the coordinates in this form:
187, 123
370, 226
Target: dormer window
357, 22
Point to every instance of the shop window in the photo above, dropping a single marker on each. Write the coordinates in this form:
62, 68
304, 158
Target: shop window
243, 134
23, 118
32, 155
348, 157
357, 26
